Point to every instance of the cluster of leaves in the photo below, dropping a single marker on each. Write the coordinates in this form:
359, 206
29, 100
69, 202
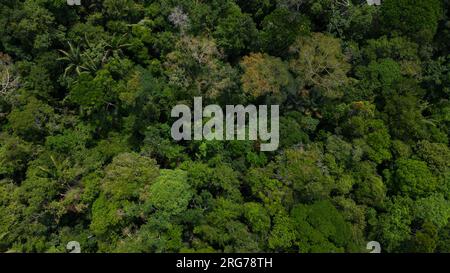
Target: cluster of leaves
86, 153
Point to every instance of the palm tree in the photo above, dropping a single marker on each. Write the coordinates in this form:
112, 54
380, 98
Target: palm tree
93, 56
74, 58
115, 46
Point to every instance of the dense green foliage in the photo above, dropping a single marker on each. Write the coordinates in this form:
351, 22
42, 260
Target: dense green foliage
86, 153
